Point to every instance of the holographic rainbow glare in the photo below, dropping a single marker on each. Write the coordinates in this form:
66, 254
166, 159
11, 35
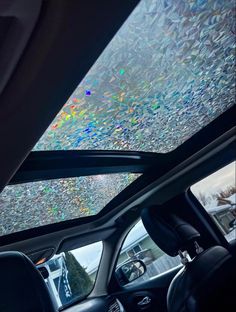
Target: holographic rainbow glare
34, 204
166, 74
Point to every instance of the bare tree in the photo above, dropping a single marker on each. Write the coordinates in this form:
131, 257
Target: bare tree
223, 195
202, 198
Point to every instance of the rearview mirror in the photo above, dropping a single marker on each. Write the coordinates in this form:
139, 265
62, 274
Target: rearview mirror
130, 271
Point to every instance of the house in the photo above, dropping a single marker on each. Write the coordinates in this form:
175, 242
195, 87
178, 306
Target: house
224, 214
139, 244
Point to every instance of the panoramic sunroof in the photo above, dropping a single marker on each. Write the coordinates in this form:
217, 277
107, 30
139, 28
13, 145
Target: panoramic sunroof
166, 74
29, 205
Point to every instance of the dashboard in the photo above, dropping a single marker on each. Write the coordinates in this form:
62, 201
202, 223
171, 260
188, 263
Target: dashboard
101, 304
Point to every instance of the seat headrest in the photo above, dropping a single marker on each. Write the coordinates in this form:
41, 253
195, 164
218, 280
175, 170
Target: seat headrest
207, 283
22, 286
168, 231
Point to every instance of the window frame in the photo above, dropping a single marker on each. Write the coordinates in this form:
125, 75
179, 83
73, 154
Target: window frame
116, 265
81, 298
201, 211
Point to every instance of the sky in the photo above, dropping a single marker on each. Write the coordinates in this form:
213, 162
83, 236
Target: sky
89, 256
217, 181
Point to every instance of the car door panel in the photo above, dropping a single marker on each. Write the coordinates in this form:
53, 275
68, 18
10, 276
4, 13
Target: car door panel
148, 296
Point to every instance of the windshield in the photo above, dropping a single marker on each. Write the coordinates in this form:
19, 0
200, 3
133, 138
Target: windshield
167, 73
72, 274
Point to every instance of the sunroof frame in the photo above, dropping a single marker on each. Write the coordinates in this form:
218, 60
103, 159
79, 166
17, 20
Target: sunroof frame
152, 165
45, 165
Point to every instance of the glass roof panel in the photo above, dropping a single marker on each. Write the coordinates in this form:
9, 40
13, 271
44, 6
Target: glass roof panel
167, 73
29, 205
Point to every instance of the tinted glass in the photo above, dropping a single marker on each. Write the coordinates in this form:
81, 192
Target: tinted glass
138, 245
217, 194
167, 73
72, 274
33, 204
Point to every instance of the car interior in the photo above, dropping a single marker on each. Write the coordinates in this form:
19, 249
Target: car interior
118, 155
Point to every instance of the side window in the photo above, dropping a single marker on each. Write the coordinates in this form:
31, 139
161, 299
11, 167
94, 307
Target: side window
72, 274
139, 245
217, 194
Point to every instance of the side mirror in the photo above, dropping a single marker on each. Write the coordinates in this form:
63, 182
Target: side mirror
130, 271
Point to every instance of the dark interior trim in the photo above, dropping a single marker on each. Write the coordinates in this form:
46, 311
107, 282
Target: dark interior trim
60, 164
143, 185
74, 242
67, 40
46, 165
17, 21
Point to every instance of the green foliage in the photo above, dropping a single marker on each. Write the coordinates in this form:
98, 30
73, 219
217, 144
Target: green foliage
78, 278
